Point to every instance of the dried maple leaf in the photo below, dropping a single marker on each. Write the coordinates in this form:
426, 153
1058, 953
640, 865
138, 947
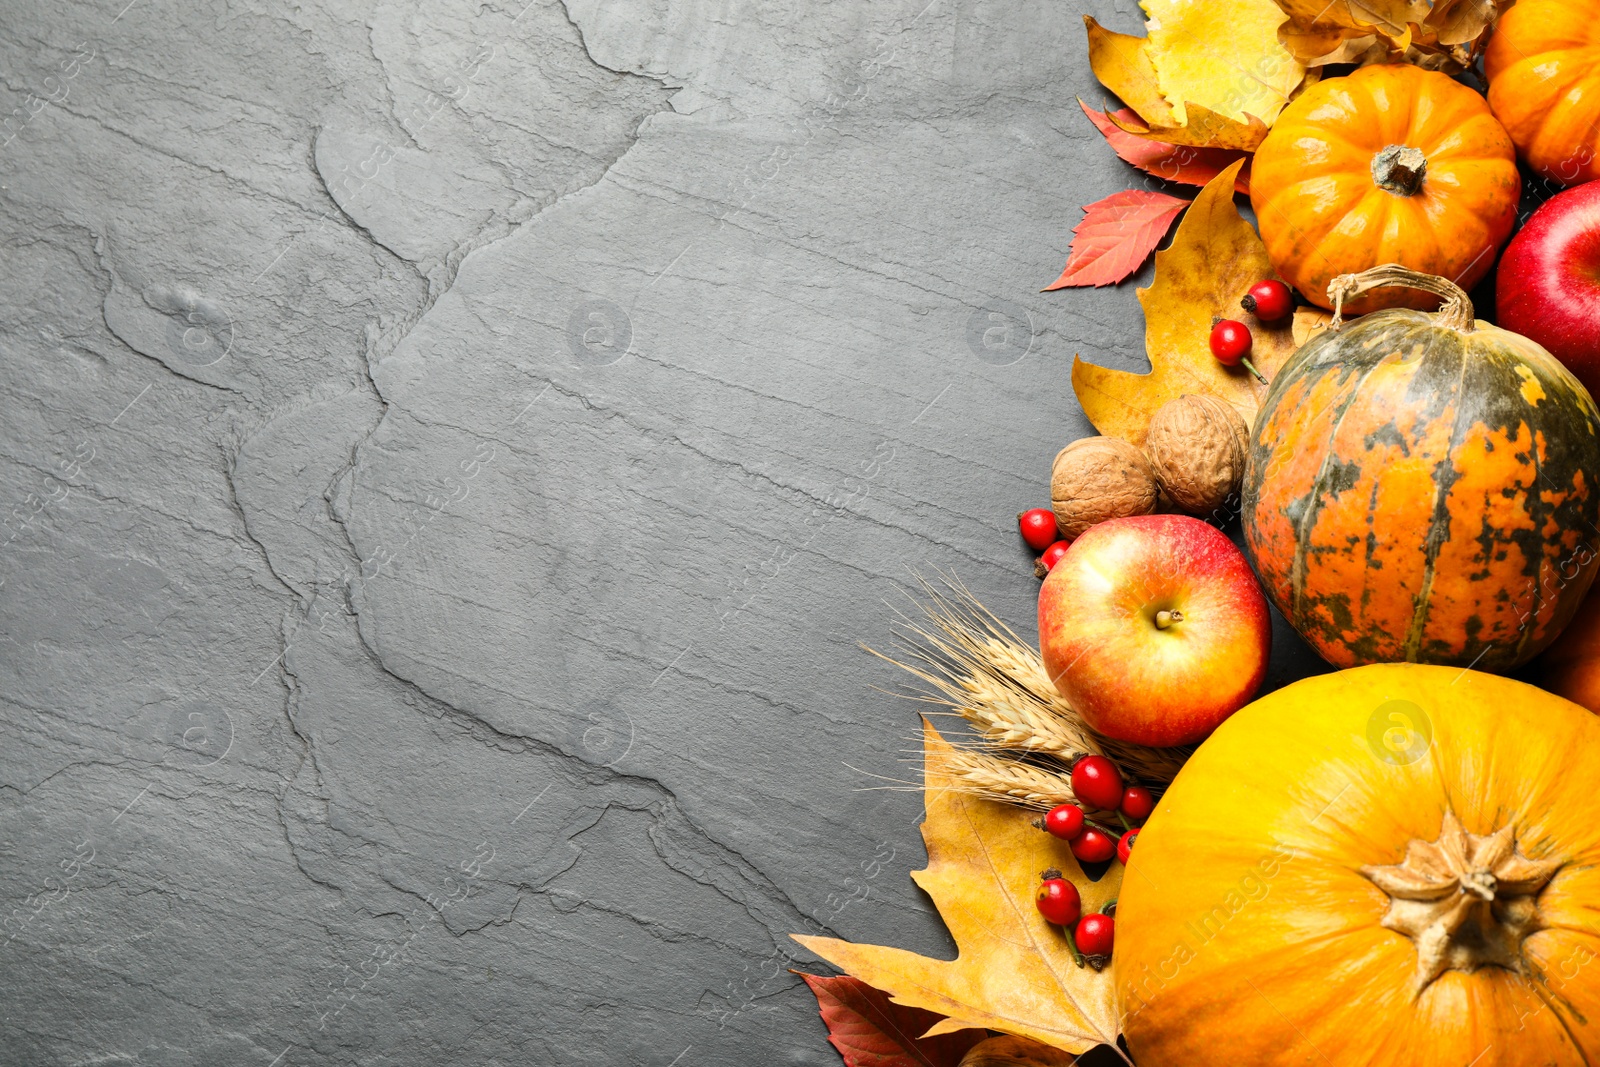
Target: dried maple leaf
1442, 35
1174, 163
1208, 75
1116, 236
1014, 972
1213, 260
869, 1031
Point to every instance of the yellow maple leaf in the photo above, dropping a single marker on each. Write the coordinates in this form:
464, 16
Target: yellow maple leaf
1225, 57
1214, 259
1208, 75
1014, 972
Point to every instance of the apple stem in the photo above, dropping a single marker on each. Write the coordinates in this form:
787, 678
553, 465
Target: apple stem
1126, 823
1165, 619
1251, 367
1103, 828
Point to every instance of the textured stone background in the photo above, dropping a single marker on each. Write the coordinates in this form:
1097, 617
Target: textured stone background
450, 454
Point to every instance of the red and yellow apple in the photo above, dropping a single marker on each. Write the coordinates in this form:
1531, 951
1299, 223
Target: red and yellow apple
1153, 627
1547, 286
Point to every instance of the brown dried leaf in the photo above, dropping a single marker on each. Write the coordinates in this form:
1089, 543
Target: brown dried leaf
1442, 35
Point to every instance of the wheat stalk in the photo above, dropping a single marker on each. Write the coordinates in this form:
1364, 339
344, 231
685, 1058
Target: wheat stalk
1000, 779
979, 667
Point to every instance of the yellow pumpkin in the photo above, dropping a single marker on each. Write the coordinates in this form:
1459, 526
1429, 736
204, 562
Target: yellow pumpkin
1392, 164
1543, 66
1392, 865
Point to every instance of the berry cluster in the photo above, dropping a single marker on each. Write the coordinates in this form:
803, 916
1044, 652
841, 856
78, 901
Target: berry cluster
1099, 787
1231, 340
1038, 526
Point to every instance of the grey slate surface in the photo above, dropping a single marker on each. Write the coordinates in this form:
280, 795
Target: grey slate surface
450, 454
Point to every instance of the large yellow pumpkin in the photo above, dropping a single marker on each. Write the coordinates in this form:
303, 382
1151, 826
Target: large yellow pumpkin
1543, 66
1392, 164
1391, 865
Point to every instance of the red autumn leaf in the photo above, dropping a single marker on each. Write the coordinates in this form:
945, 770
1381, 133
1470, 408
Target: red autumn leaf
1116, 236
1170, 162
869, 1031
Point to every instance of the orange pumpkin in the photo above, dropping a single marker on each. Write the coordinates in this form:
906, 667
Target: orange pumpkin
1393, 866
1424, 487
1393, 164
1543, 66
1571, 667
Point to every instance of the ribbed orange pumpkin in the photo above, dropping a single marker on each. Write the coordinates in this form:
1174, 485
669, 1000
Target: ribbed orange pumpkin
1392, 164
1543, 66
1423, 487
1395, 866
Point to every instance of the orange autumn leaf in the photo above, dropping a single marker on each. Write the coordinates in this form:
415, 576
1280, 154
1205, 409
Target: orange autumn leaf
1213, 260
1013, 971
1174, 163
1116, 236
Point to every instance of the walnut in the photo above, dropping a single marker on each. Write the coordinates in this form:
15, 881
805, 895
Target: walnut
1008, 1051
1197, 446
1099, 478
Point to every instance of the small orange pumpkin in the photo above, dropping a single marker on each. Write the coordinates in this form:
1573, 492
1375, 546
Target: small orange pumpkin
1543, 66
1393, 164
1393, 865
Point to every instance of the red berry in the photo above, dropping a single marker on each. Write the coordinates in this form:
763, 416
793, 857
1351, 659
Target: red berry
1038, 526
1052, 555
1125, 845
1137, 803
1268, 301
1093, 846
1058, 901
1230, 342
1097, 782
1064, 821
1094, 935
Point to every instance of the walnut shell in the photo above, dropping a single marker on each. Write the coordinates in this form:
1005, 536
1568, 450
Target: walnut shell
1008, 1051
1099, 478
1197, 446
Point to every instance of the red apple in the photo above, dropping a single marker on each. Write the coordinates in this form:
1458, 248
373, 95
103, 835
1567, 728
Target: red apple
1154, 629
1548, 284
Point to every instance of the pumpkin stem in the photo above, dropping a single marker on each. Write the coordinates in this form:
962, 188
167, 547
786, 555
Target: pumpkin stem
1455, 313
1399, 169
1466, 901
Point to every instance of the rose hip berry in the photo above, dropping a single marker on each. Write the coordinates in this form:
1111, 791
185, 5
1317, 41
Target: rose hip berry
1137, 803
1268, 301
1047, 562
1097, 782
1231, 343
1058, 899
1095, 935
1125, 845
1038, 527
1093, 846
1064, 821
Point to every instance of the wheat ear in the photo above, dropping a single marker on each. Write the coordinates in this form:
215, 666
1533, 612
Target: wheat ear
1001, 779
979, 667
